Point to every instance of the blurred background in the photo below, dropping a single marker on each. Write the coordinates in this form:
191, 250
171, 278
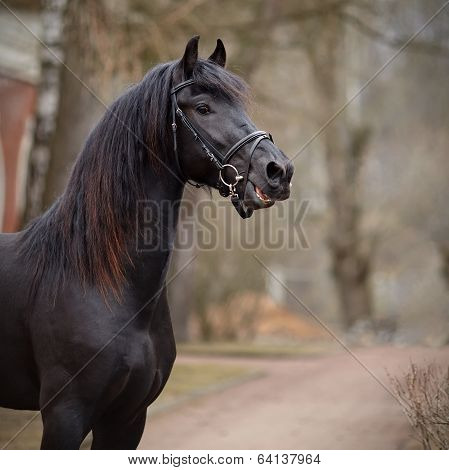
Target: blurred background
366, 121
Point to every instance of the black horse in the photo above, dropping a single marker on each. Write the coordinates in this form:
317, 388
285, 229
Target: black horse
85, 330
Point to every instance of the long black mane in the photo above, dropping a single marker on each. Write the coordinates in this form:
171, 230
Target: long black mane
86, 233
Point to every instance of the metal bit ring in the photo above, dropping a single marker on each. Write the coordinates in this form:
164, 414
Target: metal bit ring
238, 177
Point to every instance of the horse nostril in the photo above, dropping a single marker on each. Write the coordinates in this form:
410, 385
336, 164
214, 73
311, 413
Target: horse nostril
275, 171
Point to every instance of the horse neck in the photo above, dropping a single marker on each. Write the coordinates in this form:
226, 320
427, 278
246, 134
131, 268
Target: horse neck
152, 244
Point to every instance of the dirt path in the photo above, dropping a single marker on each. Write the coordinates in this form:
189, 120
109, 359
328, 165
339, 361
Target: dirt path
316, 403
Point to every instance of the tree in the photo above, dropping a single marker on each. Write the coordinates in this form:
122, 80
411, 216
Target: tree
53, 18
323, 33
92, 51
79, 106
344, 145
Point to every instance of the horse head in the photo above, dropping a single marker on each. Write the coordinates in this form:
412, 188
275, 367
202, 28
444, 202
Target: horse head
216, 142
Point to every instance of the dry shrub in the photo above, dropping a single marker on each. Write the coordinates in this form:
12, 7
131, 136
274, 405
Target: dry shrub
249, 316
424, 396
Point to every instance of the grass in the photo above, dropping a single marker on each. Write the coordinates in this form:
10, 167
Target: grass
194, 380
187, 381
255, 350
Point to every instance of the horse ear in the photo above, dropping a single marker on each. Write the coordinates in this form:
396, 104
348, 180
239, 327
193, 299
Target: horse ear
219, 55
190, 57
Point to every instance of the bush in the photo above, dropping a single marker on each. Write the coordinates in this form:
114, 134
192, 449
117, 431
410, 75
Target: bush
424, 395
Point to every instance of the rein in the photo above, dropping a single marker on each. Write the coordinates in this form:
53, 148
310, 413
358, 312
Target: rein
221, 162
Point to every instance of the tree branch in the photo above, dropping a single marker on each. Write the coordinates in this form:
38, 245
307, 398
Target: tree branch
416, 46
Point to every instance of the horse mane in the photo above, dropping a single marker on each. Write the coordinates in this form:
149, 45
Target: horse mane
86, 234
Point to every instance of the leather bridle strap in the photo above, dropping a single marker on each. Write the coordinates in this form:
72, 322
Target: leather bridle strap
242, 142
205, 144
244, 212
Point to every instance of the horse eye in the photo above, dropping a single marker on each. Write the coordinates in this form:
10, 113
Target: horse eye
203, 109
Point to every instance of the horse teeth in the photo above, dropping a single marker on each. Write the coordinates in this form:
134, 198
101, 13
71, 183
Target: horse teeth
262, 196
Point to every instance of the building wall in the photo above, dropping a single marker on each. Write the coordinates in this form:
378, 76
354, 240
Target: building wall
19, 75
2, 185
17, 101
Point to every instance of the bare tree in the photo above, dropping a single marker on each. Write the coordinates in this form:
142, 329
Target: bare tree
344, 144
53, 18
90, 49
79, 106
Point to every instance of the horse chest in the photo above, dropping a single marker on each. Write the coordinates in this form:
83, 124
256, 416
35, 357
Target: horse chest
143, 373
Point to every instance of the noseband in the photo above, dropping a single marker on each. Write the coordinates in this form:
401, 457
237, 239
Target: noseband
221, 162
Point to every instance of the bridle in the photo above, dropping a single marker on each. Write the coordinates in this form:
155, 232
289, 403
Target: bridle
221, 162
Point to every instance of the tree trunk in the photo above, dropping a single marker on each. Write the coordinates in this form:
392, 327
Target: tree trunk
443, 248
53, 19
67, 109
78, 110
344, 146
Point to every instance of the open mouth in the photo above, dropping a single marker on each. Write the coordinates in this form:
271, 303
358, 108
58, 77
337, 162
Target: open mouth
262, 196
255, 198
